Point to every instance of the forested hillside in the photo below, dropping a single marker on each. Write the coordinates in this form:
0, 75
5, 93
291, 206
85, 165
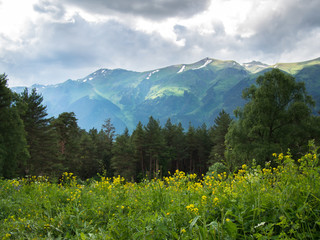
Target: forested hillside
278, 115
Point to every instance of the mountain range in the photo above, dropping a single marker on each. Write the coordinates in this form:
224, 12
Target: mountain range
187, 93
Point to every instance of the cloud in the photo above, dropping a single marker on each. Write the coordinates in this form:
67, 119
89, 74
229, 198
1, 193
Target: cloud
62, 42
281, 28
56, 51
55, 10
152, 9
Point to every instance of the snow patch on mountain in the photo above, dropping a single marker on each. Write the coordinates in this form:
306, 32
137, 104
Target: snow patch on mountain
150, 74
205, 64
182, 69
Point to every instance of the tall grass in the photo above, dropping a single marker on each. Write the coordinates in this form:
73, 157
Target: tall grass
280, 202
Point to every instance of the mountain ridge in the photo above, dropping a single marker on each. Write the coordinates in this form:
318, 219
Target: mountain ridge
184, 93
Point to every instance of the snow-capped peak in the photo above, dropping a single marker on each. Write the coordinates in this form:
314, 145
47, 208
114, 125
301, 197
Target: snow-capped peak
205, 64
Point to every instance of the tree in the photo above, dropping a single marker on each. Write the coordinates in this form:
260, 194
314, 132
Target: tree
154, 146
218, 133
108, 135
123, 161
203, 149
40, 135
192, 148
139, 143
13, 144
68, 135
89, 161
273, 120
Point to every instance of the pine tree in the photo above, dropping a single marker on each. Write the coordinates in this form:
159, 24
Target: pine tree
40, 135
89, 163
139, 143
108, 134
203, 149
68, 135
154, 146
192, 149
218, 133
13, 144
123, 161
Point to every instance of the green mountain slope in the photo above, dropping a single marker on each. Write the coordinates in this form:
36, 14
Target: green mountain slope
185, 93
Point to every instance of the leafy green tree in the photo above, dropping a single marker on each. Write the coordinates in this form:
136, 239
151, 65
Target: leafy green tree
40, 135
218, 133
13, 144
273, 120
123, 161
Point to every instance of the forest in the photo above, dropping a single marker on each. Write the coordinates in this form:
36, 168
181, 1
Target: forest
278, 116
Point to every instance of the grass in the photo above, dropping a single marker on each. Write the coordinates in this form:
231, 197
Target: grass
280, 202
294, 68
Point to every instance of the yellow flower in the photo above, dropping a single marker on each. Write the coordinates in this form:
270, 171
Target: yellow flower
227, 220
183, 230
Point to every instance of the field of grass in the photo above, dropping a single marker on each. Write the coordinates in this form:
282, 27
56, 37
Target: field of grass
280, 202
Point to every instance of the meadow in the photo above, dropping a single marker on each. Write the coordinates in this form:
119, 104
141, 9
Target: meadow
280, 201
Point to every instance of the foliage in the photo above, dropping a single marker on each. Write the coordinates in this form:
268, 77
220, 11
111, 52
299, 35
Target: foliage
217, 168
13, 144
218, 133
275, 118
40, 135
254, 203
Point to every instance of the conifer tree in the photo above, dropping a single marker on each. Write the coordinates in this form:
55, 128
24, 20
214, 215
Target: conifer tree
40, 135
139, 143
192, 149
218, 133
68, 134
13, 144
155, 144
123, 160
203, 149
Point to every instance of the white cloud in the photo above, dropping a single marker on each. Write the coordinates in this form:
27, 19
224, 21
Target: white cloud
49, 41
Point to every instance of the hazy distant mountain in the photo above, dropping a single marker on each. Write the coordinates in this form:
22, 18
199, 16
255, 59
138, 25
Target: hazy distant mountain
185, 93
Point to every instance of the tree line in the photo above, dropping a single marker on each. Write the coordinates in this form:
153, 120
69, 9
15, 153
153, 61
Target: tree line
277, 117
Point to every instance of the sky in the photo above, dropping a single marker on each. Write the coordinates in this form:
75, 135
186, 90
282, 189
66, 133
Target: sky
51, 41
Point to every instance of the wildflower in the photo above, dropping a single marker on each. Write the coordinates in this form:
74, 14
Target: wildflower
204, 198
227, 220
183, 230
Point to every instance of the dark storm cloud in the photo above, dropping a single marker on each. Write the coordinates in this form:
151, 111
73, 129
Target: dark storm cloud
152, 9
281, 29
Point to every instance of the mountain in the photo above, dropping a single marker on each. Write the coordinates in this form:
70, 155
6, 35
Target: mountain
184, 93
